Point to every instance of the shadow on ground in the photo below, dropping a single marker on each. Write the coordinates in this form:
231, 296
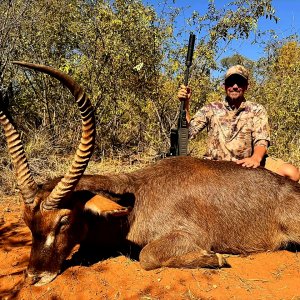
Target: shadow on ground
87, 256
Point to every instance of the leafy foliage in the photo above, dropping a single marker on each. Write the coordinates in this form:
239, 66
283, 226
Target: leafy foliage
279, 93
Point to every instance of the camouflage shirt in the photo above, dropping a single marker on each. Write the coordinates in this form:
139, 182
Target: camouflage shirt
232, 133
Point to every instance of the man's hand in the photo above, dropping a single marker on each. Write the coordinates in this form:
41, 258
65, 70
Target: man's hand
184, 93
249, 162
254, 160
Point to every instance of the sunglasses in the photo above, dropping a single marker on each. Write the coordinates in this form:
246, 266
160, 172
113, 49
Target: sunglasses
239, 81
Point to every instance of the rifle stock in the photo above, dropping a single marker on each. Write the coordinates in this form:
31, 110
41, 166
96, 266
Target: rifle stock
179, 136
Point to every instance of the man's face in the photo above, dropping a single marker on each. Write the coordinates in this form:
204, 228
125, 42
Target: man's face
235, 87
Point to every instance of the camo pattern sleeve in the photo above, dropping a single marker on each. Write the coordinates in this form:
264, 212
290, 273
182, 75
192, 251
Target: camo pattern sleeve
200, 120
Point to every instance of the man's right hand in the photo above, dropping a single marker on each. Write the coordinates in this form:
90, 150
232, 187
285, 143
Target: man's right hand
184, 93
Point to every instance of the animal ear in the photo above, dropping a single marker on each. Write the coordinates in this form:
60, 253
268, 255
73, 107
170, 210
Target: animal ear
103, 206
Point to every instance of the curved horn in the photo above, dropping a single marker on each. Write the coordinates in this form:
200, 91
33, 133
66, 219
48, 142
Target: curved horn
85, 149
25, 181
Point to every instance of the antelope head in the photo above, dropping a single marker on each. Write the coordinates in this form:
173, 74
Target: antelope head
51, 211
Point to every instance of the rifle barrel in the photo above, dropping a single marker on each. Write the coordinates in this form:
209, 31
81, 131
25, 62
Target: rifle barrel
189, 57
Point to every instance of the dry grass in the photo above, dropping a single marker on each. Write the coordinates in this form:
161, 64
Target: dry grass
51, 156
45, 166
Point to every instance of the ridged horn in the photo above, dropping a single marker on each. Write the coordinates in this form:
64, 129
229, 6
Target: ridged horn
85, 149
25, 181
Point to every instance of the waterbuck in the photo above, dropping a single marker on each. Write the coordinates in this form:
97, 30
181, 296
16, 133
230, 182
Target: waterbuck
181, 212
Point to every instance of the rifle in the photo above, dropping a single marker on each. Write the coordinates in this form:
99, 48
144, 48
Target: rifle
179, 135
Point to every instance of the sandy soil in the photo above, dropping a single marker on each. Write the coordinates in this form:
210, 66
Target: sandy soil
260, 276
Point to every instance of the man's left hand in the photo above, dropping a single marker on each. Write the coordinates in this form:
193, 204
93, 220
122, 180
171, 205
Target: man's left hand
249, 162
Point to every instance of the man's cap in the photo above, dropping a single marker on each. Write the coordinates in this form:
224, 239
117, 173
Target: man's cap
237, 70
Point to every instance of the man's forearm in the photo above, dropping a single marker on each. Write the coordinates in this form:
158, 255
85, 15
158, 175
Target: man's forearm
259, 152
188, 116
187, 111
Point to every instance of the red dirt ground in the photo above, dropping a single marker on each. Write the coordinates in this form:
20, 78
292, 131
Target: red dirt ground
260, 276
